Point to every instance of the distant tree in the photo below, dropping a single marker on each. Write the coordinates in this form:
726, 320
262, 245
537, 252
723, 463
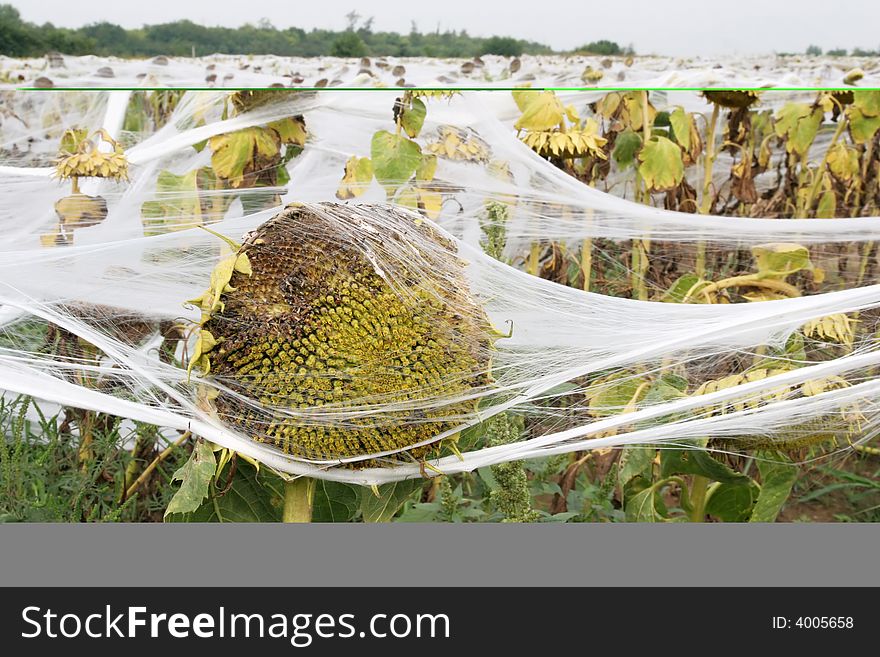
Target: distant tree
16, 40
348, 44
603, 47
506, 46
814, 51
352, 18
837, 52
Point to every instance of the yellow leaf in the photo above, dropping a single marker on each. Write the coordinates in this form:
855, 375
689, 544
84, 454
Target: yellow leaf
356, 179
542, 113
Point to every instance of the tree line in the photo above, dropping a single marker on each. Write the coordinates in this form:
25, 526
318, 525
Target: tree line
19, 38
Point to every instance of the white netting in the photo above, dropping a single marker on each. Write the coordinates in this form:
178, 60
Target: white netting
309, 379
241, 71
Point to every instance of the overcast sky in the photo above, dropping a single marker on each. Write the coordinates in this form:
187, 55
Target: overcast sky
675, 27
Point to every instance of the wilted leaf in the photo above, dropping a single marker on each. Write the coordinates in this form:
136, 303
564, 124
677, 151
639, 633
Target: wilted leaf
867, 101
357, 177
523, 97
798, 123
80, 211
231, 153
291, 130
861, 126
843, 161
681, 127
427, 168
543, 112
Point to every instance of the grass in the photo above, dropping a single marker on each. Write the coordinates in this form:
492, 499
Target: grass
44, 479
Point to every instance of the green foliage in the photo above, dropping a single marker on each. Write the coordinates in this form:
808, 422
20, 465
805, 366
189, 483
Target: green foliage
245, 495
348, 44
777, 479
19, 38
195, 477
382, 505
43, 479
511, 495
604, 47
505, 46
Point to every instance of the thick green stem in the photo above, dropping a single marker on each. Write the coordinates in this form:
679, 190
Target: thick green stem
299, 495
699, 486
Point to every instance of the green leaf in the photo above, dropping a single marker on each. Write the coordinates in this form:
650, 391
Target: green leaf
868, 101
255, 496
420, 512
335, 501
781, 259
674, 380
178, 205
391, 497
625, 147
413, 118
827, 206
862, 127
635, 462
195, 479
661, 166
641, 507
777, 480
699, 462
664, 389
395, 158
613, 394
680, 288
732, 503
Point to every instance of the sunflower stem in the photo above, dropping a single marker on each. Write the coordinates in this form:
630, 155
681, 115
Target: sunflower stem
299, 496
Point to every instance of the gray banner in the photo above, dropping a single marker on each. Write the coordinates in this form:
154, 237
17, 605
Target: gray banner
440, 555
